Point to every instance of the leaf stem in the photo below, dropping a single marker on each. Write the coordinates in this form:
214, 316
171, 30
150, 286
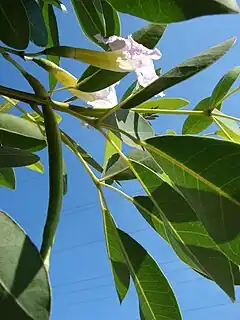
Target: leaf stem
166, 111
226, 116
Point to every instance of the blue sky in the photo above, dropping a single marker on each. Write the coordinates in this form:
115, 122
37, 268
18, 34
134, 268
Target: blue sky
80, 271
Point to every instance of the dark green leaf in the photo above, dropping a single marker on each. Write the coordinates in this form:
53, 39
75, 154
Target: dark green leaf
166, 11
65, 179
150, 35
14, 25
206, 171
53, 38
194, 246
96, 17
235, 272
118, 170
156, 297
120, 270
57, 3
38, 31
96, 79
12, 157
196, 124
130, 122
7, 178
223, 86
129, 90
20, 133
180, 73
24, 283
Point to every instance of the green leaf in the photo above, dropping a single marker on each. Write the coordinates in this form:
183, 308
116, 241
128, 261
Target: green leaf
7, 178
65, 179
14, 25
223, 86
20, 133
162, 103
53, 38
229, 129
57, 3
38, 167
150, 35
130, 122
179, 73
235, 272
166, 11
7, 104
117, 169
120, 270
129, 90
168, 213
196, 124
109, 149
38, 31
97, 17
156, 297
24, 283
12, 157
206, 172
95, 79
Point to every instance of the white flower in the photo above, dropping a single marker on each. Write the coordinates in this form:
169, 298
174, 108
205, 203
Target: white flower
105, 98
135, 54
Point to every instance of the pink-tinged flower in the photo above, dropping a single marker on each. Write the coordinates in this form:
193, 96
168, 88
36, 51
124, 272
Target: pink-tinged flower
134, 54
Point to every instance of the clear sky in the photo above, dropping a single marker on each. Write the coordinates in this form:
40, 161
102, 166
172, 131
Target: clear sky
80, 272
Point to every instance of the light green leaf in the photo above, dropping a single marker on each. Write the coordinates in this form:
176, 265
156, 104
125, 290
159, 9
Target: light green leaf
8, 104
12, 157
14, 25
161, 103
109, 149
223, 86
228, 129
166, 11
24, 283
173, 218
7, 178
196, 124
38, 167
20, 133
206, 172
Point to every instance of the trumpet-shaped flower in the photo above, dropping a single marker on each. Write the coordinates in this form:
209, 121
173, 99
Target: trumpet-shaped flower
105, 98
136, 55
